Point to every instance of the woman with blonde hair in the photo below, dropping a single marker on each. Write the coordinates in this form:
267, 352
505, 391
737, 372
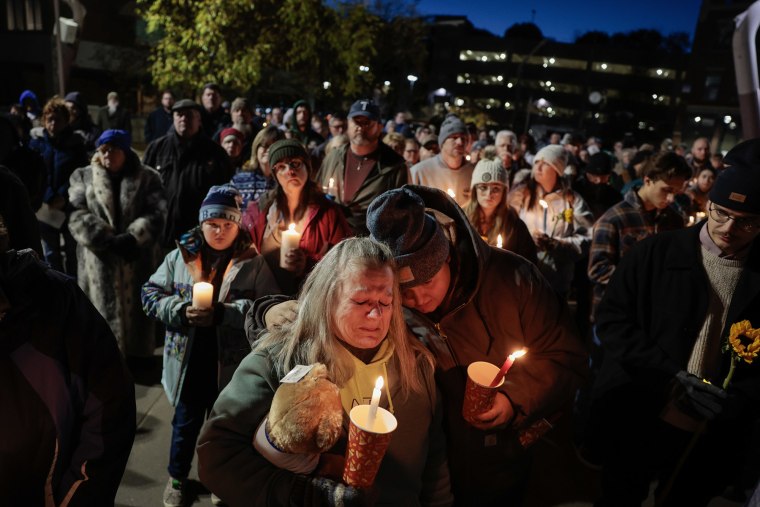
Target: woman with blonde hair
350, 319
489, 213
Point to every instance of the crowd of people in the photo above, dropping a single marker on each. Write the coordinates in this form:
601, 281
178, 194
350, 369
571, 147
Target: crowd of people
411, 249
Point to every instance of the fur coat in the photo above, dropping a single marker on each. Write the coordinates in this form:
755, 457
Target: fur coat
112, 283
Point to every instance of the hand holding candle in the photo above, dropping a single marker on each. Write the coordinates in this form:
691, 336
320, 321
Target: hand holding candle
203, 294
331, 188
290, 239
506, 366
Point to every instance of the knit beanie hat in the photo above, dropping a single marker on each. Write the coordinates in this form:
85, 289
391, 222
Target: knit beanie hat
738, 186
450, 126
231, 132
398, 219
222, 201
555, 156
286, 148
122, 139
489, 171
600, 164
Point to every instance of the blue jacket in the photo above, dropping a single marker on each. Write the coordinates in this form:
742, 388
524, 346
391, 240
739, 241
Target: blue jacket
61, 155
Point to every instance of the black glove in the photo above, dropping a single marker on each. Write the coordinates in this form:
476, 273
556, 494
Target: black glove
125, 246
325, 491
698, 398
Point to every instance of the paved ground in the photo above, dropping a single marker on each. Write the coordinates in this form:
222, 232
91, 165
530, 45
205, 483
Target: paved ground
571, 483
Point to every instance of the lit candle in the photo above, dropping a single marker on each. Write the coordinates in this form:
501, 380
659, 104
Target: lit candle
203, 294
290, 239
701, 215
499, 241
331, 188
506, 366
544, 205
691, 220
374, 402
451, 193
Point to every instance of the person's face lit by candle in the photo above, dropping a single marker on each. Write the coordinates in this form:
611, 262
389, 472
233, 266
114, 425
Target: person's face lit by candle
363, 313
219, 233
489, 195
428, 296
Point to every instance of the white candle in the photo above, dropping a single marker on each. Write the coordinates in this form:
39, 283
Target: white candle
451, 193
499, 241
544, 205
691, 220
374, 402
290, 239
203, 294
331, 188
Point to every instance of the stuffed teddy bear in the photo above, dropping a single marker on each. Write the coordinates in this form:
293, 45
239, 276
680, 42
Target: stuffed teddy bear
306, 417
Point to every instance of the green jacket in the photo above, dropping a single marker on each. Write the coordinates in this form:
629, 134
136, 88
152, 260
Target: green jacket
413, 472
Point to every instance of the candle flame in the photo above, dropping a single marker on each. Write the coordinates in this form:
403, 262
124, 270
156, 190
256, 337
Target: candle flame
332, 182
518, 354
379, 383
451, 192
292, 227
499, 241
543, 204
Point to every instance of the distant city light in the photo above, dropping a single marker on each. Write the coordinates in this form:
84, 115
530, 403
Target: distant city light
326, 85
412, 78
697, 119
460, 102
659, 72
509, 85
387, 83
603, 66
727, 119
363, 68
552, 60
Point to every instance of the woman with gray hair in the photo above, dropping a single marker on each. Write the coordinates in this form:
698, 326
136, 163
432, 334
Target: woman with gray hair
350, 319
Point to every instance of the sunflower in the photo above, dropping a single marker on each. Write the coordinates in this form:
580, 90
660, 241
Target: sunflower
745, 340
568, 215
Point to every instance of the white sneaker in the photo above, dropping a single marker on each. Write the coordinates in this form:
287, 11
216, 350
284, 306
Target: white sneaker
174, 495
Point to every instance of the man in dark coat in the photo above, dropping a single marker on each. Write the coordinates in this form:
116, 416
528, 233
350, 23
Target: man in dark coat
189, 164
160, 120
664, 323
113, 116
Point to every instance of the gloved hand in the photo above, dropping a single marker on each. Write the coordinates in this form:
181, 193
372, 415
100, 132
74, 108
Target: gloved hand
328, 492
699, 398
125, 246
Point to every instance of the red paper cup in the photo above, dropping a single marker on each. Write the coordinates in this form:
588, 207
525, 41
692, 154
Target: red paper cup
366, 446
478, 394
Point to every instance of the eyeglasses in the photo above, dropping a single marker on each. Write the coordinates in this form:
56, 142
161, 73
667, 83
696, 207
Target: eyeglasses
105, 149
295, 164
747, 224
484, 188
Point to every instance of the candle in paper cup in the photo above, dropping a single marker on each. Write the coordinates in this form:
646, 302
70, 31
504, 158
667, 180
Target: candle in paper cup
366, 445
506, 366
375, 401
331, 188
479, 396
499, 242
203, 294
290, 239
451, 193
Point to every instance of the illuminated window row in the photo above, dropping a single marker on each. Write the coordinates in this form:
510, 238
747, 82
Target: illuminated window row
482, 56
484, 103
481, 79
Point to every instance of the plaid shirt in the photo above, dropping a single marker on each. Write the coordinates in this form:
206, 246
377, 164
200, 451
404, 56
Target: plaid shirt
621, 227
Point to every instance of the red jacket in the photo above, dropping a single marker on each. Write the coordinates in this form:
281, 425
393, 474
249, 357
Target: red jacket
325, 227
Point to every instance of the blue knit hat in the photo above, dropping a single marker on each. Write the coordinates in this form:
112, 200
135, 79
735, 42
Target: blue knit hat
398, 219
119, 138
222, 201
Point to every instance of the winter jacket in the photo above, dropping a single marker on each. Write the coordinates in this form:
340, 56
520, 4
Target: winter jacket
103, 209
17, 214
499, 303
653, 309
188, 170
324, 228
68, 401
413, 471
390, 172
168, 291
61, 155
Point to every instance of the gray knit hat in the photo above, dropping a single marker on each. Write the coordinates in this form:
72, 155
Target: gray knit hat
450, 126
398, 219
554, 155
488, 171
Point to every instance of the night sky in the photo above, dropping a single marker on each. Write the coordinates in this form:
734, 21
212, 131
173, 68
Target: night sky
563, 20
